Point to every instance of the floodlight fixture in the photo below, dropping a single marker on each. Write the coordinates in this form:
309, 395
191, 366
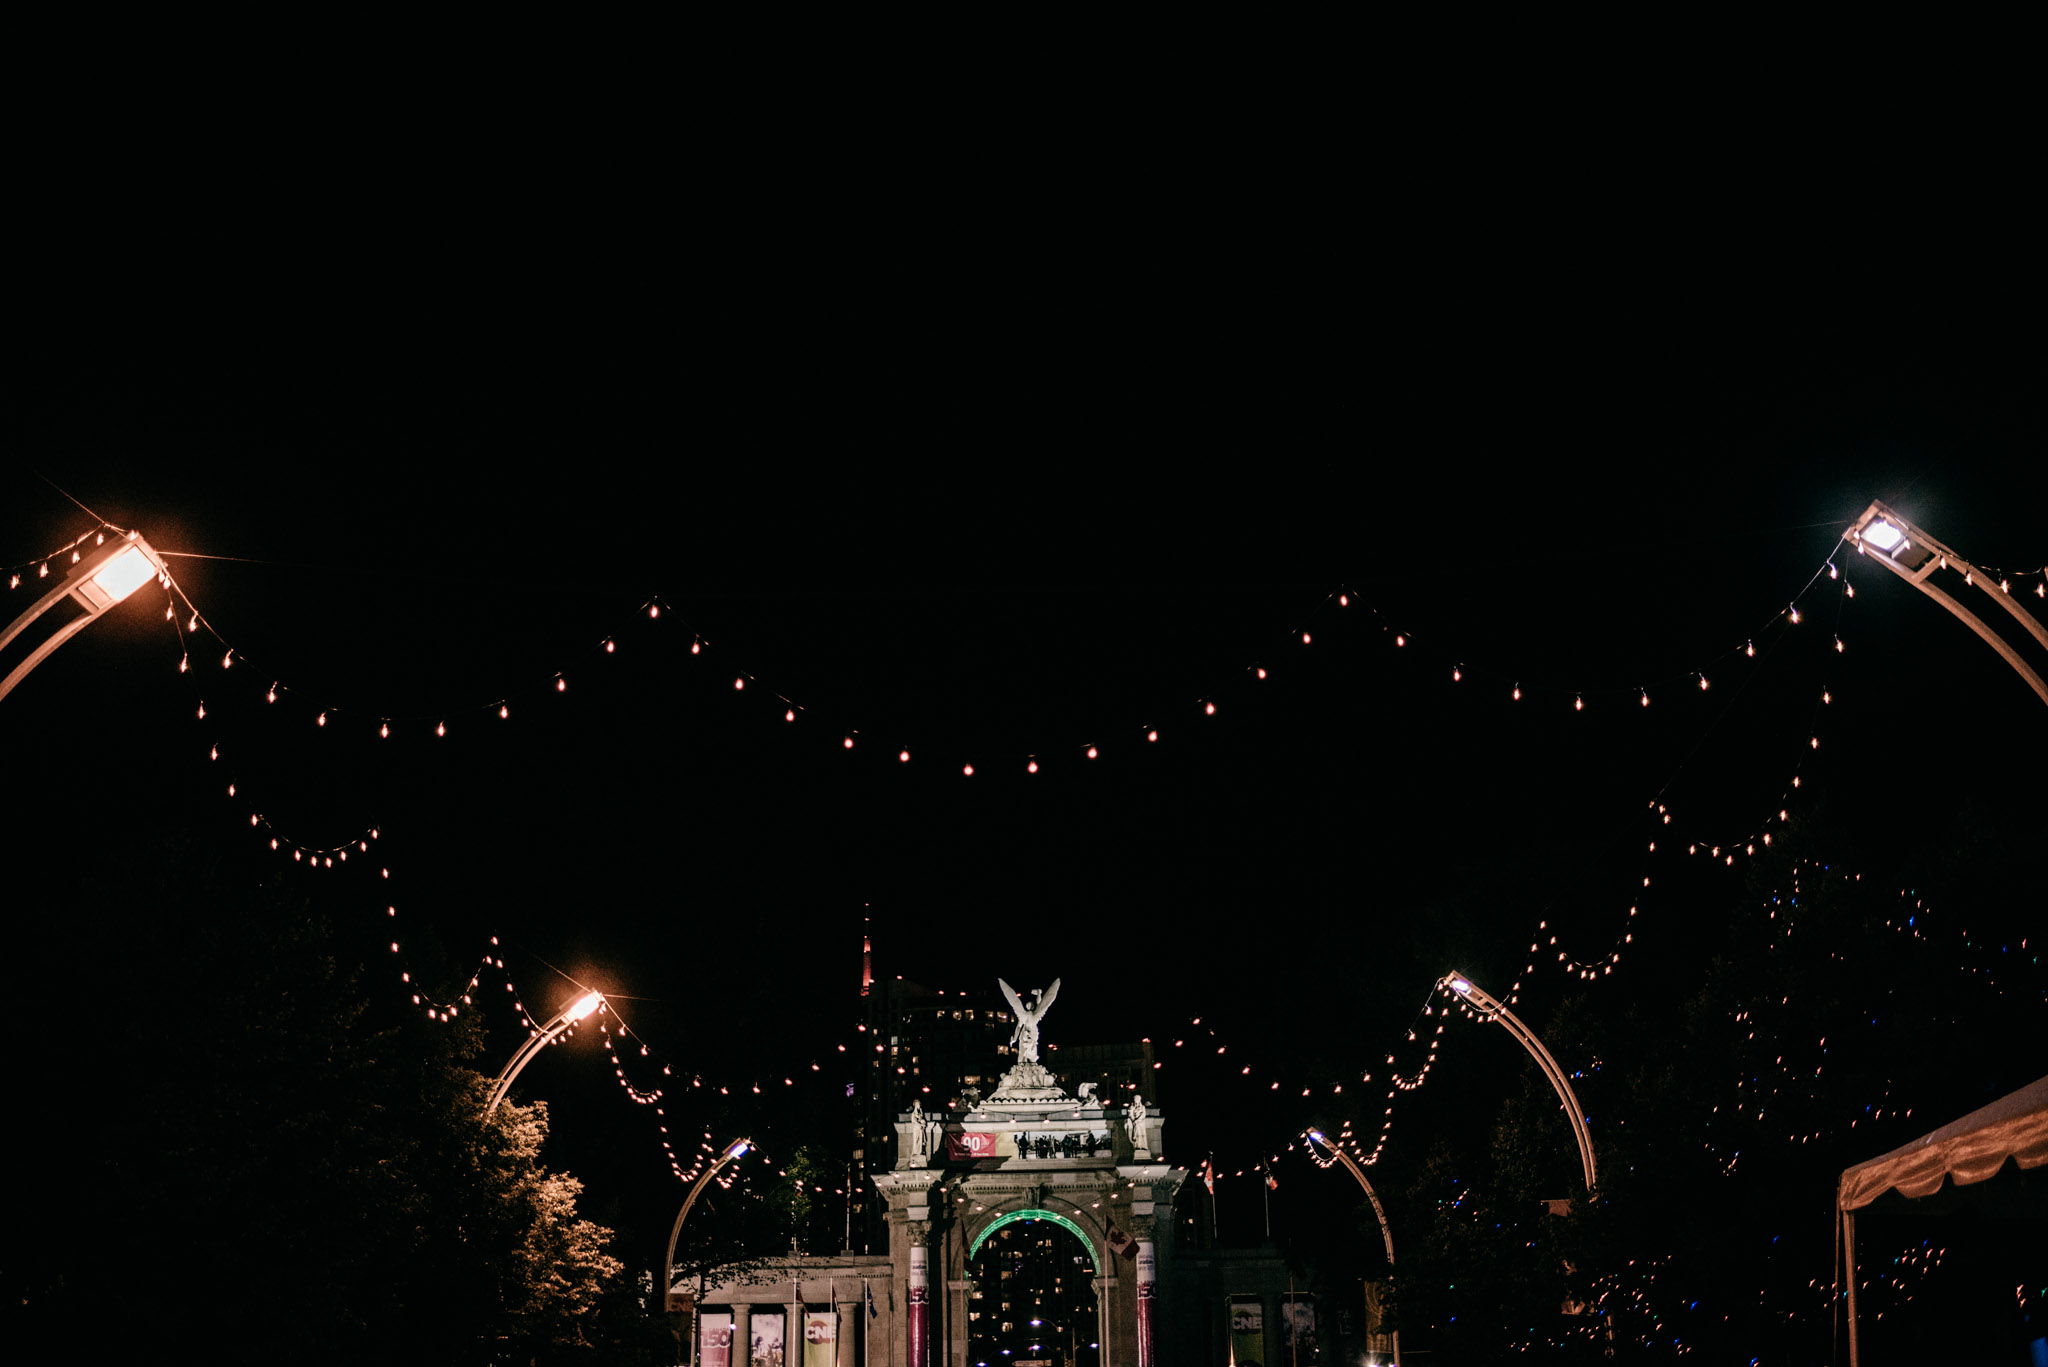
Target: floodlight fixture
1881, 534
564, 1020
97, 583
734, 1151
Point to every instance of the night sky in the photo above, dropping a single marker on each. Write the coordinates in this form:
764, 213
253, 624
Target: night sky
986, 544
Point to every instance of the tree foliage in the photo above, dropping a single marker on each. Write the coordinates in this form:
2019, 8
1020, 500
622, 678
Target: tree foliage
245, 1153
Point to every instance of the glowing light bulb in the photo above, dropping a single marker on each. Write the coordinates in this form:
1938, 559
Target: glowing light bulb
272, 695
561, 684
1703, 683
696, 647
1517, 694
184, 663
1399, 639
903, 756
789, 714
1031, 767
1795, 613
967, 770
384, 730
441, 728
202, 711
1092, 752
1209, 709
1750, 649
1578, 704
1262, 671
1343, 600
847, 743
1646, 697
321, 720
1838, 645
609, 647
654, 610
1151, 735
503, 712
227, 660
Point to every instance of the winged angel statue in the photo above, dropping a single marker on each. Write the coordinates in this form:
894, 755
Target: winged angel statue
1025, 1037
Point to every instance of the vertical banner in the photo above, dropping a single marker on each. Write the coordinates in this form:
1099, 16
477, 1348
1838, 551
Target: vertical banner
1148, 1287
914, 1307
714, 1340
821, 1338
1300, 1314
767, 1349
1248, 1331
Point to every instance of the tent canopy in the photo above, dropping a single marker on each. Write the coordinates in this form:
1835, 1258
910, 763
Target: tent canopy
1967, 1150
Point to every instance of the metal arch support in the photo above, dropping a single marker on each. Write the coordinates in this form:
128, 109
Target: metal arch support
1379, 1212
1464, 987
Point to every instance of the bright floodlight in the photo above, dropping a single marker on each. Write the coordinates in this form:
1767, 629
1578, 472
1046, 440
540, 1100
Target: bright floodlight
1461, 987
95, 582
739, 1148
1883, 534
1317, 1135
583, 1006
128, 571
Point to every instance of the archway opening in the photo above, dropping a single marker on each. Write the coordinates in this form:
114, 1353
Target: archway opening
1031, 1294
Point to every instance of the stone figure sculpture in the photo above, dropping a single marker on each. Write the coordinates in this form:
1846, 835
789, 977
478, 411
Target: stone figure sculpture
1025, 1037
920, 1131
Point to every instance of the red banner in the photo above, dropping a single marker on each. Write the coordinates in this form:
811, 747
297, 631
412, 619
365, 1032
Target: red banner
964, 1144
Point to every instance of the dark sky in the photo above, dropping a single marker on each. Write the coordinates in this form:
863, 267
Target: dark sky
986, 544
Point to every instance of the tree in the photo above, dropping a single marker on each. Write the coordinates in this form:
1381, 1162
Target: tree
247, 1153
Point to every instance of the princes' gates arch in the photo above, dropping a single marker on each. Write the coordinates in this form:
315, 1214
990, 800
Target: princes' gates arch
978, 1200
1031, 1221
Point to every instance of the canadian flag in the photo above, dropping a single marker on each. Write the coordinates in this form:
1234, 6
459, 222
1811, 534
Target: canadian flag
1120, 1242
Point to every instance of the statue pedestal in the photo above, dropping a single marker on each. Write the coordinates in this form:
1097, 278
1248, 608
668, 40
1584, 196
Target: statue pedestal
1028, 1083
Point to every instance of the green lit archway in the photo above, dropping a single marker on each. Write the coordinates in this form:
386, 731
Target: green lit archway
1062, 1221
1031, 1297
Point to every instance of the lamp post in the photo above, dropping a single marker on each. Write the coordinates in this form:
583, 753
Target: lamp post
733, 1152
1493, 1010
546, 1035
1910, 553
1386, 1231
96, 583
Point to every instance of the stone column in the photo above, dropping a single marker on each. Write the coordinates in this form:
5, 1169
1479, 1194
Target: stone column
849, 1325
742, 1335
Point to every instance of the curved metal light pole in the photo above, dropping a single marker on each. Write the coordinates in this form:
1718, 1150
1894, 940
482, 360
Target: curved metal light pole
96, 583
733, 1151
1472, 992
1910, 553
1386, 1231
548, 1034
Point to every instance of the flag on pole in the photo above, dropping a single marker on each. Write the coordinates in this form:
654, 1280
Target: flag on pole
869, 1291
1209, 1174
1120, 1242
